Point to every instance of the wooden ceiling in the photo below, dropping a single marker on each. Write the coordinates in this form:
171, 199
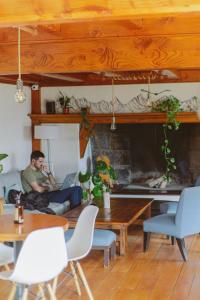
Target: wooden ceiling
90, 42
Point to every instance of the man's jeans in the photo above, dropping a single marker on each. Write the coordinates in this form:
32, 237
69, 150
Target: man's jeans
73, 194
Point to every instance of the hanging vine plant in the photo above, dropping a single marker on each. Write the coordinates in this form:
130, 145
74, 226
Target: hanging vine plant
170, 105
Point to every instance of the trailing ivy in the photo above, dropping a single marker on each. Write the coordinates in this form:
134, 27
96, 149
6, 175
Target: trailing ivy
170, 105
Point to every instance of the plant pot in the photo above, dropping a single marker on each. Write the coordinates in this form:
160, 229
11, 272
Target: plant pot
106, 199
66, 110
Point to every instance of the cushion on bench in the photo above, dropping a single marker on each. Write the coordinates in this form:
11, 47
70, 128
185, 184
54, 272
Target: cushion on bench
101, 237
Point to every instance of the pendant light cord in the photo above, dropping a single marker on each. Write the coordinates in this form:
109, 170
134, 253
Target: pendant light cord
19, 53
113, 98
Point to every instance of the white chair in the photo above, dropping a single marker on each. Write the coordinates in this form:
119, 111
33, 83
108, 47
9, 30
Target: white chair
80, 244
6, 256
43, 257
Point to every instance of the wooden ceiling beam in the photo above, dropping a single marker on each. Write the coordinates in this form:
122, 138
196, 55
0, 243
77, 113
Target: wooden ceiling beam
28, 12
138, 26
105, 54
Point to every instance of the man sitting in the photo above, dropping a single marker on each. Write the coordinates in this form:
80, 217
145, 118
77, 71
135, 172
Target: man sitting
36, 177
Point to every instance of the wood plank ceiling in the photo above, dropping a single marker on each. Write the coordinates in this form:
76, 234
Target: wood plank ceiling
90, 42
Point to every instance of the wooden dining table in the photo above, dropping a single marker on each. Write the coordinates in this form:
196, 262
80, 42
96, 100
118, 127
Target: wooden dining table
17, 233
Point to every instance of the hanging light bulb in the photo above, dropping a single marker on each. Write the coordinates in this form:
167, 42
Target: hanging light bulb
113, 124
20, 95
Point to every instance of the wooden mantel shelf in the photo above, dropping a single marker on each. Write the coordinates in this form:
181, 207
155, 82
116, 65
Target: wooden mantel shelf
123, 118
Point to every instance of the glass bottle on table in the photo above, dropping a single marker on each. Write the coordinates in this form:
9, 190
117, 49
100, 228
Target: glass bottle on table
19, 210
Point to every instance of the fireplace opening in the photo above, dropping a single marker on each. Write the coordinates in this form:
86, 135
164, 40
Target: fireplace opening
135, 152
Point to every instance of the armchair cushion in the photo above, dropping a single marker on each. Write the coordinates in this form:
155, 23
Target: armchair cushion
161, 224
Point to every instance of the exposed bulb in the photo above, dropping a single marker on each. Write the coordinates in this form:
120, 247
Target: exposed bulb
20, 95
113, 124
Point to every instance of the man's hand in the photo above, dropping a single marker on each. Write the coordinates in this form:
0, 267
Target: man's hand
45, 169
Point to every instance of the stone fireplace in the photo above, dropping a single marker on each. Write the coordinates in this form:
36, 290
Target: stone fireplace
134, 151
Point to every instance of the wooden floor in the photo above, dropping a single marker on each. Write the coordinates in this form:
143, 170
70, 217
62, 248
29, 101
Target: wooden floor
158, 274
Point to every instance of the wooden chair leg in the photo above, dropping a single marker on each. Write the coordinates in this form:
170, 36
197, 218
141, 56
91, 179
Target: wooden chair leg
181, 245
82, 275
25, 294
54, 285
41, 291
147, 236
113, 250
7, 267
75, 278
12, 292
106, 257
51, 293
173, 240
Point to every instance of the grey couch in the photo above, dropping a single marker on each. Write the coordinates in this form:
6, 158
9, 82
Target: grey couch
12, 180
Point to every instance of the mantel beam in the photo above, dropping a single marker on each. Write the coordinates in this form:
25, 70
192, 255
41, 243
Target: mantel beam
123, 118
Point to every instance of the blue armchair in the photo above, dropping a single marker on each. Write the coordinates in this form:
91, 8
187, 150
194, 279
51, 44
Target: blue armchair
185, 222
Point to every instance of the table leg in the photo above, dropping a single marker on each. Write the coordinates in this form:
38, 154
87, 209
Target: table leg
123, 236
20, 287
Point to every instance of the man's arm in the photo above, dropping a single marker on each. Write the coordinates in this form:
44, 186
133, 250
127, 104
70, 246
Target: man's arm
52, 181
38, 188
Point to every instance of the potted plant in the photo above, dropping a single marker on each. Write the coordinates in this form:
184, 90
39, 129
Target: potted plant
101, 180
2, 156
64, 102
171, 105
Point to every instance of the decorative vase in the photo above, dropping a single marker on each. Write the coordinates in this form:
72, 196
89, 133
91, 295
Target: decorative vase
106, 199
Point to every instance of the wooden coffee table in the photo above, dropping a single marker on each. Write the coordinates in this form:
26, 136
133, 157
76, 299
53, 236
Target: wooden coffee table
123, 212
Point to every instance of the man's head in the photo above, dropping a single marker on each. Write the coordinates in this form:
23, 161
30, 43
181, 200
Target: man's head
37, 159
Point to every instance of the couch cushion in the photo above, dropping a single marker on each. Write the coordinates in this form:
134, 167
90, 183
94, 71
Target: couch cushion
59, 208
10, 180
9, 209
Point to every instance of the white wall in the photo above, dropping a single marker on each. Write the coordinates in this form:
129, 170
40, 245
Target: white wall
15, 131
64, 151
125, 93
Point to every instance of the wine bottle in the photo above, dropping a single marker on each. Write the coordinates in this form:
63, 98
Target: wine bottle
19, 210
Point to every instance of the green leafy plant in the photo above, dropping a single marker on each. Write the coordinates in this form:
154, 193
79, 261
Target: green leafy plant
170, 105
64, 100
2, 156
101, 179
